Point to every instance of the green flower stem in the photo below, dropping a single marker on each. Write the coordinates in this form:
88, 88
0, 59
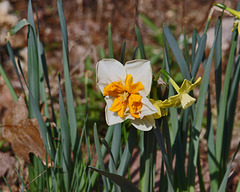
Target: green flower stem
174, 84
232, 11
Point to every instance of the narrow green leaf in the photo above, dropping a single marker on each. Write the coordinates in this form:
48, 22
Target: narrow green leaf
110, 43
231, 109
135, 53
122, 52
199, 55
164, 155
218, 62
66, 141
5, 180
101, 53
163, 180
124, 183
194, 43
200, 175
127, 153
8, 83
198, 116
149, 146
112, 162
149, 23
176, 52
68, 86
140, 43
24, 187
213, 166
225, 178
173, 111
116, 143
33, 66
220, 140
99, 154
104, 142
238, 187
186, 47
108, 137
18, 27
10, 52
42, 89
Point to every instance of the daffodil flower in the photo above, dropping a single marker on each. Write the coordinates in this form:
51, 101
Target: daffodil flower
126, 89
161, 107
182, 96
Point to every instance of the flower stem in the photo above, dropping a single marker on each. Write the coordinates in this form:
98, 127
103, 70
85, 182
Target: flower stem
232, 11
174, 84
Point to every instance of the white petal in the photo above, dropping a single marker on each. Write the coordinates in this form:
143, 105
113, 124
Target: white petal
108, 71
147, 107
111, 117
145, 124
141, 71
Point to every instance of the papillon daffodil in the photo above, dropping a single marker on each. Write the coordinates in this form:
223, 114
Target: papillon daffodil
126, 89
161, 107
182, 97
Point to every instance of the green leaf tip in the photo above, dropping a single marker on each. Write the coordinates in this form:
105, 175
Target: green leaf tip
220, 5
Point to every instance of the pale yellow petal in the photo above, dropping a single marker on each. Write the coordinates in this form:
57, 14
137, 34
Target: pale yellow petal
196, 83
158, 105
175, 100
187, 100
238, 28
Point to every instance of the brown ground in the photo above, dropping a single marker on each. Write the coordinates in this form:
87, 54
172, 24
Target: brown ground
87, 22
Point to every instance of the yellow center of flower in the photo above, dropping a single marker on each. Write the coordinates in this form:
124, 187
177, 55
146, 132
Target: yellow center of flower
124, 96
127, 98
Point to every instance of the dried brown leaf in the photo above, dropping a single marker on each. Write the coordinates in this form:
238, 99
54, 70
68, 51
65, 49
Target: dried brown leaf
23, 133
